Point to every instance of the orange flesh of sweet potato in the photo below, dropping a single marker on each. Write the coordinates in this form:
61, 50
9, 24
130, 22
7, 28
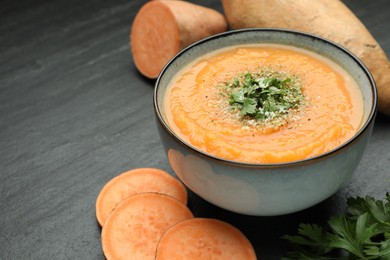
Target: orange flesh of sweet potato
133, 229
330, 19
133, 182
162, 28
204, 238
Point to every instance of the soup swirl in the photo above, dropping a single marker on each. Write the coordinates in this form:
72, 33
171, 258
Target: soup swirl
199, 107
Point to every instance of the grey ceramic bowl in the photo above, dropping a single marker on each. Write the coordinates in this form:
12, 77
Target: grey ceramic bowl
266, 189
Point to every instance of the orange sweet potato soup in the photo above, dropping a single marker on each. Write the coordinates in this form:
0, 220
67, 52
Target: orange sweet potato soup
264, 104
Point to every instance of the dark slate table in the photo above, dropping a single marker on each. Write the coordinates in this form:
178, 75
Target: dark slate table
74, 112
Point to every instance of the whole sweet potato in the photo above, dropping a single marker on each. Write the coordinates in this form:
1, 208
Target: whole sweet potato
330, 19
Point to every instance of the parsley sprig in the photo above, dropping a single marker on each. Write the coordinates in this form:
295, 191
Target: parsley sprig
265, 96
363, 233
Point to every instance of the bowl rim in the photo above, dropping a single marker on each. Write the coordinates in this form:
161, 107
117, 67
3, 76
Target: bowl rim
357, 135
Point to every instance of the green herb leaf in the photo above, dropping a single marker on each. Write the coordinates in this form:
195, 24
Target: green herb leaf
237, 97
350, 235
360, 234
236, 82
378, 210
264, 96
249, 106
310, 235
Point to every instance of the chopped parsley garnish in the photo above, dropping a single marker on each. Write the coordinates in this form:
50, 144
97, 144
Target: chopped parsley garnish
265, 97
363, 233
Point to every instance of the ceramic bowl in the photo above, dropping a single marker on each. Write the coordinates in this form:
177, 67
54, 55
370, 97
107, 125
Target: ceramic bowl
266, 189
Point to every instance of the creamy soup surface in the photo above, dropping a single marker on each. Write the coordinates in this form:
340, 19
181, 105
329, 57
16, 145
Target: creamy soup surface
200, 115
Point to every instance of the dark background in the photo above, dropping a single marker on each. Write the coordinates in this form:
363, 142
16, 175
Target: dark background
74, 112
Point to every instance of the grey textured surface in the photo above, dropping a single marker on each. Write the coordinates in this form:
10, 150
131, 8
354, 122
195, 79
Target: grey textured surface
74, 113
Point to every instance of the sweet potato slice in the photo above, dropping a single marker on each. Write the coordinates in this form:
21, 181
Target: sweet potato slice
137, 181
204, 238
133, 229
162, 28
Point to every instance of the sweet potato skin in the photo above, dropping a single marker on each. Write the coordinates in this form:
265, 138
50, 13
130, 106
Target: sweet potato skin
197, 22
330, 19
